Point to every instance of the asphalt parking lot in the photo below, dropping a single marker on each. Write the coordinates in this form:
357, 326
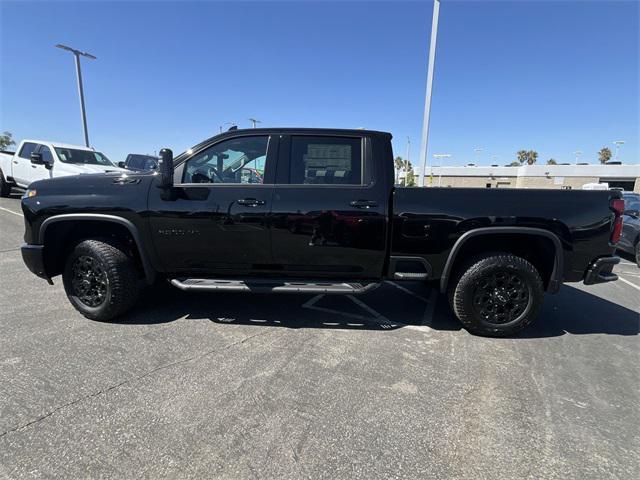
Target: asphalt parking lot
386, 385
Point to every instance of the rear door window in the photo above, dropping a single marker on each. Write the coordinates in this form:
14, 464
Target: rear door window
27, 149
324, 160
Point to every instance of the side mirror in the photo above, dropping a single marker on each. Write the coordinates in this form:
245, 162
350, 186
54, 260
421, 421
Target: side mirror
36, 159
122, 165
165, 168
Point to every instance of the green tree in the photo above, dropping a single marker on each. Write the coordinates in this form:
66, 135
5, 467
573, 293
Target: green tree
513, 164
6, 140
604, 155
552, 161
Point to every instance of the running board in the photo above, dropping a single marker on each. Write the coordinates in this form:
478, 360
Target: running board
272, 286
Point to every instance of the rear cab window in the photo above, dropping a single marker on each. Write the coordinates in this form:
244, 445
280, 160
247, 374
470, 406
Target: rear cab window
326, 160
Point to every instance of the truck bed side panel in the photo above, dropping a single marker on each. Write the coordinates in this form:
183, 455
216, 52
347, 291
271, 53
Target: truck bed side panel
428, 221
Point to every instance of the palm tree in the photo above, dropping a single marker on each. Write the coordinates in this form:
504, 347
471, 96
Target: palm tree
399, 164
604, 155
522, 156
527, 156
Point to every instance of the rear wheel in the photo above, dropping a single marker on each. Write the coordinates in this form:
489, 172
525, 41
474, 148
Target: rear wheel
638, 253
5, 187
100, 280
497, 295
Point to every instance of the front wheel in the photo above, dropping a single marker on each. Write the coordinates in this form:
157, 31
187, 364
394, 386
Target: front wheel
638, 253
100, 279
498, 295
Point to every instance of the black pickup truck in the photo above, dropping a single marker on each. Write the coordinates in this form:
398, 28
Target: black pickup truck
315, 211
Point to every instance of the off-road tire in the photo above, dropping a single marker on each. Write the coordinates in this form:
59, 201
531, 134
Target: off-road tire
5, 187
122, 285
464, 291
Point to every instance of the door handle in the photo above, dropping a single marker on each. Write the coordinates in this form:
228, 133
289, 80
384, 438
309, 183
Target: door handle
15, 161
250, 202
364, 203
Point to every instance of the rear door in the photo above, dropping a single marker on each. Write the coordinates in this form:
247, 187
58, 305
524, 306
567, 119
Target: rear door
329, 208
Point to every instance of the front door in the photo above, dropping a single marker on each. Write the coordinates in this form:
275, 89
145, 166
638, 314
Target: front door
328, 217
214, 220
24, 172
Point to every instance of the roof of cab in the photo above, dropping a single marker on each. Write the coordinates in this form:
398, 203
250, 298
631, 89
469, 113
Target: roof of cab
324, 131
60, 144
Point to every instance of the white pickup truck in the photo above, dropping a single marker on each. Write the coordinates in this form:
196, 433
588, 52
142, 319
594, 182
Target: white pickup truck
40, 160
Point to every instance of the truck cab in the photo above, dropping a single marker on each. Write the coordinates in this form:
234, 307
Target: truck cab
40, 160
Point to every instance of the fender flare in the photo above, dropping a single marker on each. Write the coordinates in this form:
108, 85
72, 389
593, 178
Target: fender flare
149, 272
558, 265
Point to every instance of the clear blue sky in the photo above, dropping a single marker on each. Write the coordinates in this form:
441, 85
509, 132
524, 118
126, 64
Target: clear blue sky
551, 76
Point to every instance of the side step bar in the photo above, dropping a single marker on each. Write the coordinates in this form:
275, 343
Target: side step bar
272, 286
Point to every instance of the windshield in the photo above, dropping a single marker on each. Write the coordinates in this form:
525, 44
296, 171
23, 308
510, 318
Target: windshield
72, 155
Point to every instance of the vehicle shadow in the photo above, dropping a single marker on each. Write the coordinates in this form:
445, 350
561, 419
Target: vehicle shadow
386, 309
627, 256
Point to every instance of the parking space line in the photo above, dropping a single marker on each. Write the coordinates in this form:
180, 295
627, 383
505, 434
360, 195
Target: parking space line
11, 211
406, 290
629, 283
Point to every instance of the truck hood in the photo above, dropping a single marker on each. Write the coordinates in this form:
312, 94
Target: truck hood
86, 168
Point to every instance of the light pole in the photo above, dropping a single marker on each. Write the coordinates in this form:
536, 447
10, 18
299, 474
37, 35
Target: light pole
427, 100
76, 54
577, 153
617, 143
478, 151
440, 156
225, 124
406, 163
254, 121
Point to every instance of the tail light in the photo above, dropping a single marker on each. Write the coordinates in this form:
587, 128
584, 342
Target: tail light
617, 205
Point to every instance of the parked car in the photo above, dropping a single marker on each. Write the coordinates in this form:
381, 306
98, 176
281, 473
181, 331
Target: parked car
324, 218
139, 163
630, 239
39, 160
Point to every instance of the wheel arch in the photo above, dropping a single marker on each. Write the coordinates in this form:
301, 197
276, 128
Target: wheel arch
71, 218
554, 279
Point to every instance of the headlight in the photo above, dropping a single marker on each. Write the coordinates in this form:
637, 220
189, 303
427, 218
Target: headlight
31, 192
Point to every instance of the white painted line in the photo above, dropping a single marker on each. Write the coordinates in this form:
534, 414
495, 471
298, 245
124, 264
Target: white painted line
629, 283
431, 307
406, 290
11, 211
312, 301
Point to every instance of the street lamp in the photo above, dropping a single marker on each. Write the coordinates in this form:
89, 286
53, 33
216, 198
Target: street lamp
577, 153
478, 151
427, 100
440, 156
225, 124
406, 163
617, 143
76, 54
254, 121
